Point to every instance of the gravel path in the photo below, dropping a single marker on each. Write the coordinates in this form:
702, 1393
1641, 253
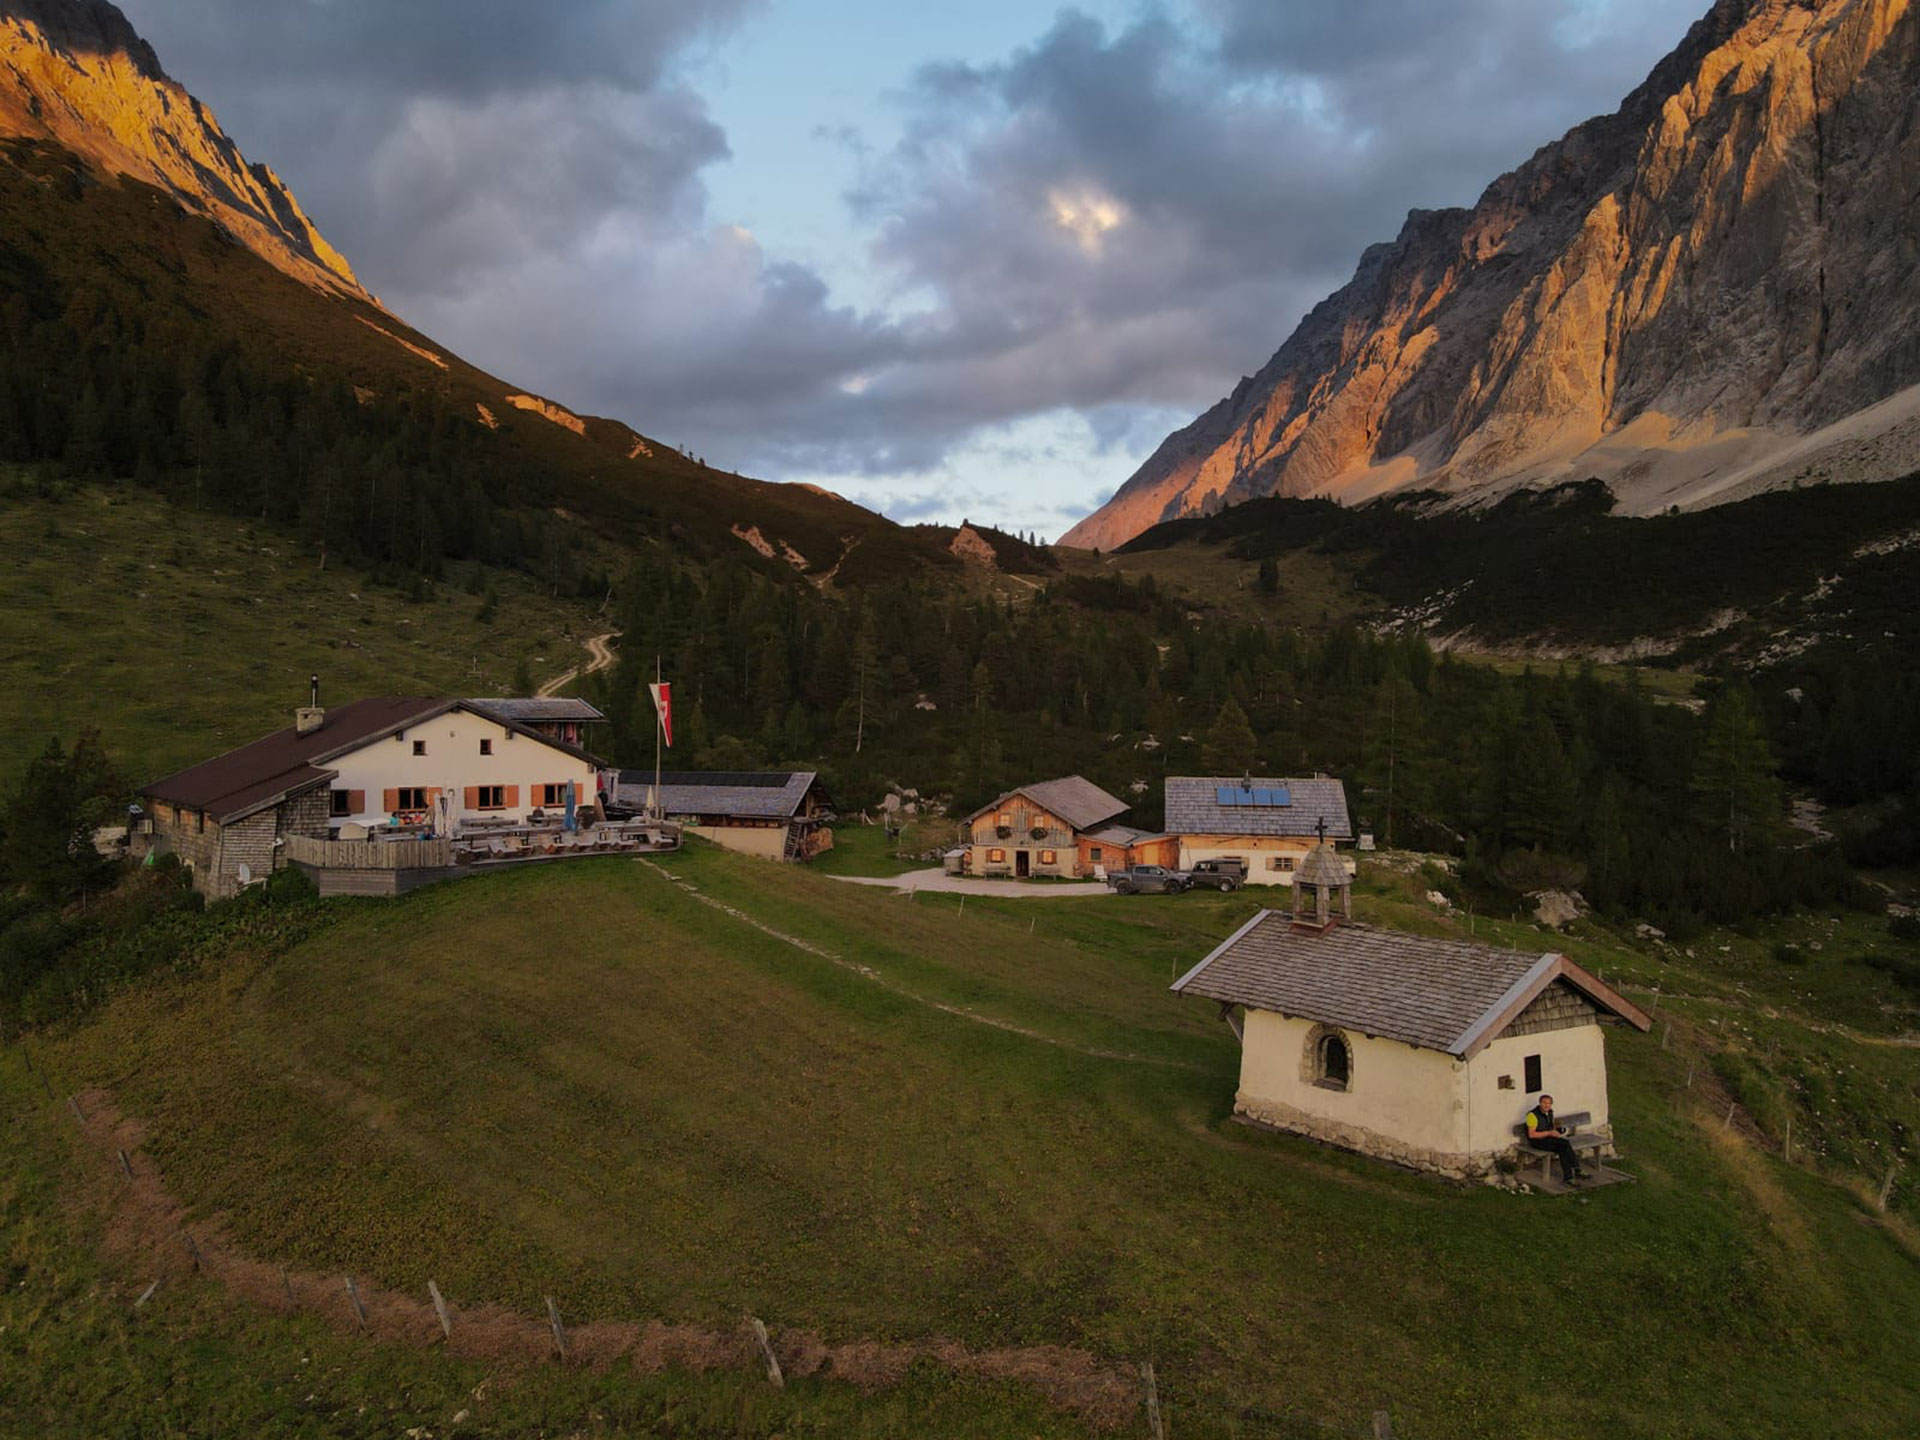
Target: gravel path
939, 881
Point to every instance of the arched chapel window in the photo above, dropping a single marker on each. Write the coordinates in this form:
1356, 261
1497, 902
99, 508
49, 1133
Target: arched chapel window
1335, 1062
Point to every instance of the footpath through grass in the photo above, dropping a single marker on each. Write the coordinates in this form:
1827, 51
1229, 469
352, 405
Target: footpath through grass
589, 1080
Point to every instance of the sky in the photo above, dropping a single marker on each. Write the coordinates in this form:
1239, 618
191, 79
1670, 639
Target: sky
970, 261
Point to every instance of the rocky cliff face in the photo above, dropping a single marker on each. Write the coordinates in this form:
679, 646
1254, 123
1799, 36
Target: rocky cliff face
1691, 298
74, 72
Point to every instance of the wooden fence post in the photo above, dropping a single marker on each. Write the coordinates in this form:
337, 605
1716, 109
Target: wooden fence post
1382, 1425
193, 1250
774, 1377
559, 1330
286, 1283
1886, 1186
359, 1310
1155, 1426
440, 1309
73, 1104
146, 1294
1731, 1106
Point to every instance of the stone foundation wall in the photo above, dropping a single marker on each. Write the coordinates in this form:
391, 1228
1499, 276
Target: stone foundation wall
1274, 1115
1281, 1116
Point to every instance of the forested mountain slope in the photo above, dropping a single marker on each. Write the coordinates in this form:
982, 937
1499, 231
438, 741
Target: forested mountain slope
168, 314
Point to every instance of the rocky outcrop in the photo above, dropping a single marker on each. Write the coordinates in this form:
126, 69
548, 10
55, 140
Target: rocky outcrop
1670, 297
75, 73
547, 410
969, 544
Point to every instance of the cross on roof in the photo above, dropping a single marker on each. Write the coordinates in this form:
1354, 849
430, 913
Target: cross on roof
1321, 829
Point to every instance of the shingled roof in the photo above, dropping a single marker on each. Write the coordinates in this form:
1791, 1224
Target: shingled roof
1075, 799
1194, 808
739, 795
1453, 996
287, 763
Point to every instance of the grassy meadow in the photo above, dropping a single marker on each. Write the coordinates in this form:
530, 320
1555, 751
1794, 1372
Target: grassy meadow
180, 633
692, 1088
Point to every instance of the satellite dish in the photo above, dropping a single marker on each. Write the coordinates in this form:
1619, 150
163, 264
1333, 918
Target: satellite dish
246, 873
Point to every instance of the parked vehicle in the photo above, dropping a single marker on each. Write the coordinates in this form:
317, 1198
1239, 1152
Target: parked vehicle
1225, 874
1146, 880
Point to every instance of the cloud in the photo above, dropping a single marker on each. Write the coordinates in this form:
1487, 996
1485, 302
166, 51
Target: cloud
1078, 245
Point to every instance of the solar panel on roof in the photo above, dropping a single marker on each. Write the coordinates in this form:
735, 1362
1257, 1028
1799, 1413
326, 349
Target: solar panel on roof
1224, 795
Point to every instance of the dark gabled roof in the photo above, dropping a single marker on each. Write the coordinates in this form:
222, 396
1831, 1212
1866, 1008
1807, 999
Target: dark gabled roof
1449, 995
743, 795
1075, 799
1194, 808
287, 763
538, 709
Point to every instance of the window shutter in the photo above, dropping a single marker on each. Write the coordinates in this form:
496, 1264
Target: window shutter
472, 798
511, 797
356, 801
390, 800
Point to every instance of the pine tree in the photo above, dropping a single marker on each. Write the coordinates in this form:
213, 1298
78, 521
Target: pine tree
1736, 792
1230, 746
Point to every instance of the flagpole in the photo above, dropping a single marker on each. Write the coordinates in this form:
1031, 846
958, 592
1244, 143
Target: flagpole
659, 725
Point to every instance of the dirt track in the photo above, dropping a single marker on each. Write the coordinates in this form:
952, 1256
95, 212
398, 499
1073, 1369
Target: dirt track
599, 657
146, 1236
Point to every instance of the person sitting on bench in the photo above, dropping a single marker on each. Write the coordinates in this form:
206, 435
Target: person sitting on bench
1544, 1133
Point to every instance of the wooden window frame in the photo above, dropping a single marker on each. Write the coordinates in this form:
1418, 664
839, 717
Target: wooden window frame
1535, 1080
339, 804
486, 745
419, 747
402, 793
996, 856
1049, 857
497, 794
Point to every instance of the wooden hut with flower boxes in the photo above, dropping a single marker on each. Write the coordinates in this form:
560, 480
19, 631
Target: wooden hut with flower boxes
1061, 828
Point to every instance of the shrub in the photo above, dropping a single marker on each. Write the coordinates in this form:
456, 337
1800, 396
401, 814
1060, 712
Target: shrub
1788, 953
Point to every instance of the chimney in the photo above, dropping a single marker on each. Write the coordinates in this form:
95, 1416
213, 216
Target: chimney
310, 717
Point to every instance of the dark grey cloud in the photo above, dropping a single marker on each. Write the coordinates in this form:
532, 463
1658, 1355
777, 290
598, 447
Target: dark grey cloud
1112, 221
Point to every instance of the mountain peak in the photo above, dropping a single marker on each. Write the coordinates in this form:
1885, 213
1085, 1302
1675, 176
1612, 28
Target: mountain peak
75, 72
86, 27
1672, 298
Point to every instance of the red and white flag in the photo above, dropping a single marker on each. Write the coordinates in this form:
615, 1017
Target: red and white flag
663, 707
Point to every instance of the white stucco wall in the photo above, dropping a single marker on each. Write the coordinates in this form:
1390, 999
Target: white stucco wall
769, 842
1256, 850
1403, 1102
453, 762
1573, 1069
1415, 1106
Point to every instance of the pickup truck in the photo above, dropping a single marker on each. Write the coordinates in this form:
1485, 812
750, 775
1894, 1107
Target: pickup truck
1146, 880
1227, 873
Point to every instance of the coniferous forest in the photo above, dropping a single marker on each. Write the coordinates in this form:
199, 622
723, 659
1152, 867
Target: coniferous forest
900, 674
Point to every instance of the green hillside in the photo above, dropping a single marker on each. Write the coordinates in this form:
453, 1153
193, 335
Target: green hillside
181, 633
690, 1089
1558, 570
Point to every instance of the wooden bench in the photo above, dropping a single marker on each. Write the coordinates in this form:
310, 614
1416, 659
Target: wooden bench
1584, 1145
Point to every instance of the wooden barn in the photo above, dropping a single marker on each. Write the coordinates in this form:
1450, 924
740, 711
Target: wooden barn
1065, 828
